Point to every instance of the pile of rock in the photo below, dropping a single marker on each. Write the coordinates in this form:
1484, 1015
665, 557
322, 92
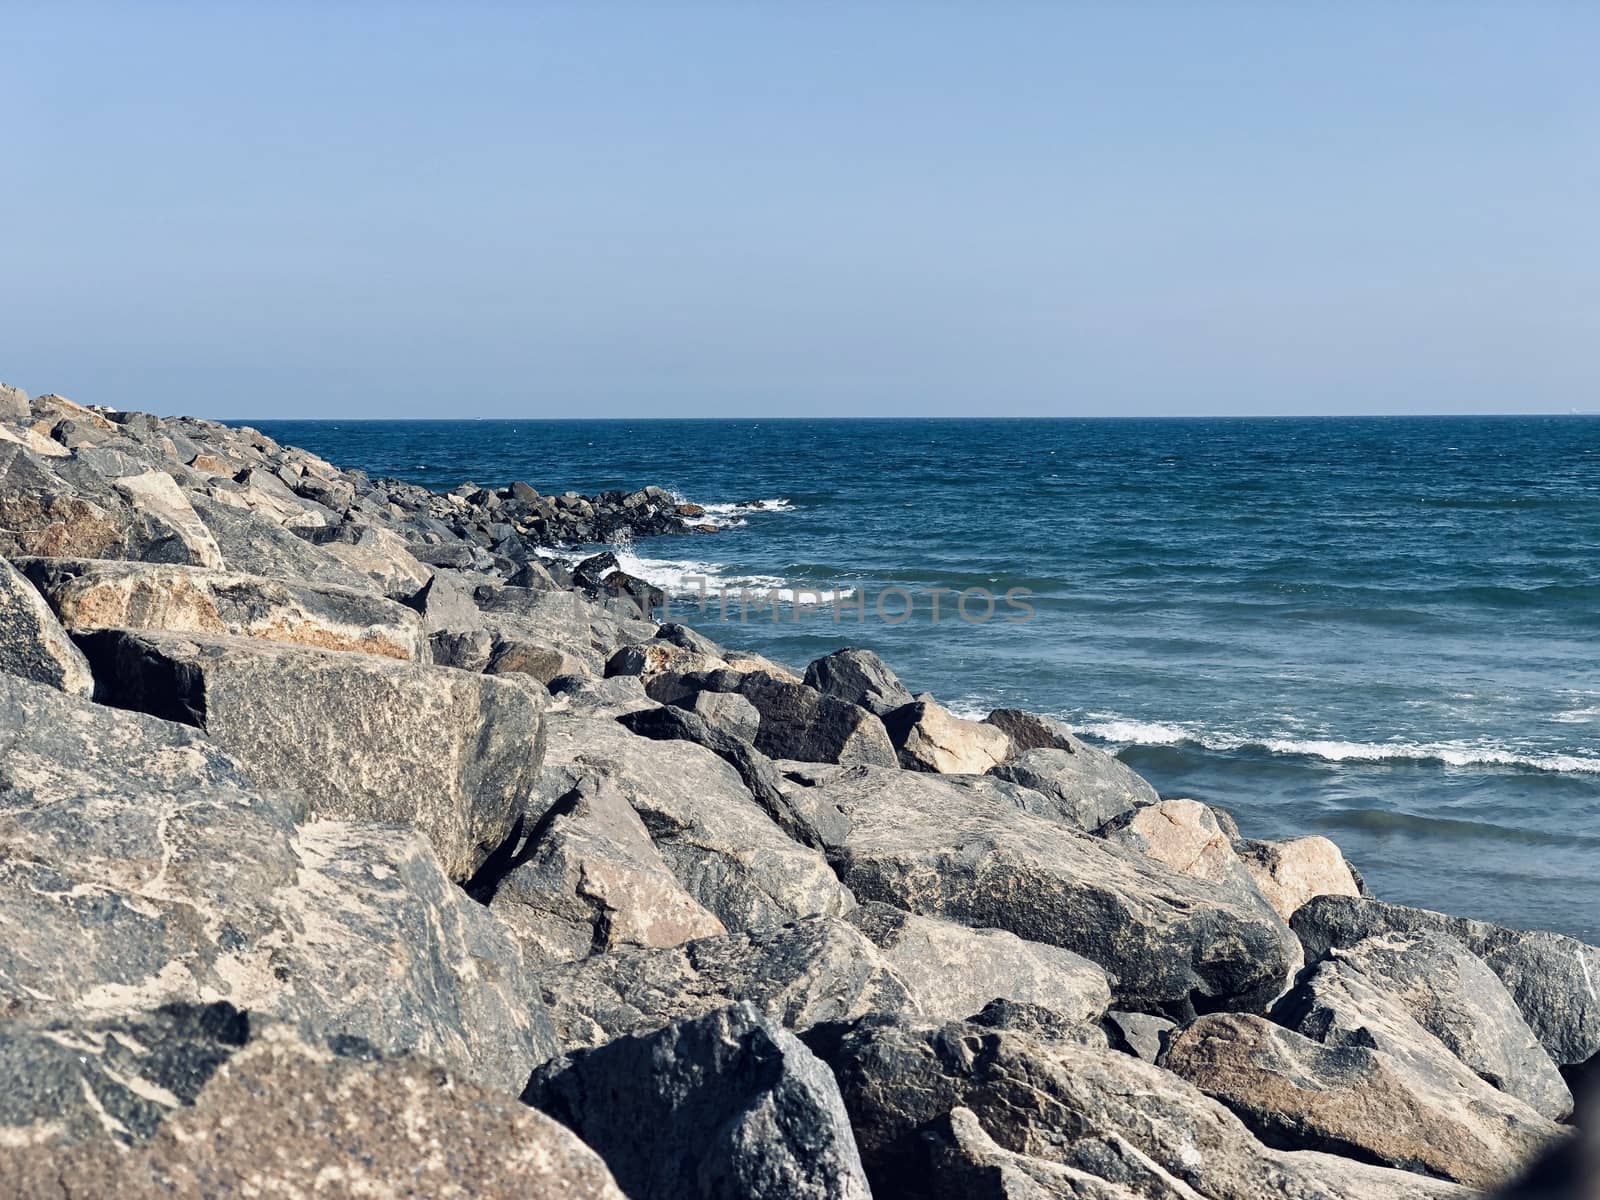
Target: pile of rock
350, 845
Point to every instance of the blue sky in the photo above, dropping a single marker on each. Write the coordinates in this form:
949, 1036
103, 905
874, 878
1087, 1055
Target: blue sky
879, 208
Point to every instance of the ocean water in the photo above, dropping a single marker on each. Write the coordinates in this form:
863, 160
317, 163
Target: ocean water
1381, 630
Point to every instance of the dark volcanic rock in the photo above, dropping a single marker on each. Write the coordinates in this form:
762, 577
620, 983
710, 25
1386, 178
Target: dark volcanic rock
32, 643
800, 722
726, 1107
958, 848
1555, 980
858, 677
453, 754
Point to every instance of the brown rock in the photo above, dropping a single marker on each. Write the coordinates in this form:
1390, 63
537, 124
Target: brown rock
1290, 873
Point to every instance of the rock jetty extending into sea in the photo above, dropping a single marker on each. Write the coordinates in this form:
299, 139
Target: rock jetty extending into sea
355, 845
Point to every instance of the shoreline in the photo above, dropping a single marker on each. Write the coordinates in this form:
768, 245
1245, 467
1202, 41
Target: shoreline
609, 810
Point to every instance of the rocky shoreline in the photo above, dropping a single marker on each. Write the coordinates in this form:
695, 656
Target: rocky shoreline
357, 845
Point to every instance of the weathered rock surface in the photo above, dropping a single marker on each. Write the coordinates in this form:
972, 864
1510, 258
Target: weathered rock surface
589, 880
1398, 1102
1555, 980
727, 712
1184, 835
258, 547
1292, 872
727, 853
929, 737
1099, 1114
1089, 786
142, 867
944, 847
1451, 993
953, 971
89, 594
800, 722
818, 969
155, 494
726, 1107
452, 754
1139, 1033
858, 677
582, 695
32, 643
199, 1101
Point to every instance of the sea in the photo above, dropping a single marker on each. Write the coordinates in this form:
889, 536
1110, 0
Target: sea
1383, 630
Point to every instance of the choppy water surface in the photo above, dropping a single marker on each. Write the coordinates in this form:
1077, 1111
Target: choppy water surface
1381, 630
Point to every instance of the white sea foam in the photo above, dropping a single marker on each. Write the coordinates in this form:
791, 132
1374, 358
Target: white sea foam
1124, 731
691, 578
731, 514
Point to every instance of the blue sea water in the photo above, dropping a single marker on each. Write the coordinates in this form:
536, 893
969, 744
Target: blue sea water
1382, 630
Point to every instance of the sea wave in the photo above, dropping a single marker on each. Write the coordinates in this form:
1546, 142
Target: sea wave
733, 513
1125, 731
688, 578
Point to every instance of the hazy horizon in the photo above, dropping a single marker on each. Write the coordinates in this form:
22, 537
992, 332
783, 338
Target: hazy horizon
895, 210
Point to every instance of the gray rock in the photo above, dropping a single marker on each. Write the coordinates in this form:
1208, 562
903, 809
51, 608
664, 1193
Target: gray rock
756, 772
583, 695
955, 848
589, 879
728, 712
207, 1101
1089, 786
1036, 1021
1031, 731
858, 677
451, 754
800, 722
43, 513
953, 971
535, 660
443, 606
32, 643
962, 1162
142, 867
1098, 1113
153, 493
727, 853
1555, 980
1451, 993
815, 970
1378, 1091
928, 737
466, 650
1139, 1033
256, 546
1184, 836
104, 594
726, 1107
14, 404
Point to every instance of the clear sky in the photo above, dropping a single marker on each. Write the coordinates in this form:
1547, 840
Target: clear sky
457, 209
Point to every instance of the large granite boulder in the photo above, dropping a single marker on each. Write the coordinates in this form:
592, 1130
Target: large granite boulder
929, 737
1379, 1092
726, 1107
1090, 786
858, 677
205, 1100
588, 879
1291, 872
728, 854
815, 970
89, 594
955, 848
953, 971
153, 494
1185, 836
452, 754
32, 643
1449, 992
143, 866
1555, 980
1070, 1119
254, 545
